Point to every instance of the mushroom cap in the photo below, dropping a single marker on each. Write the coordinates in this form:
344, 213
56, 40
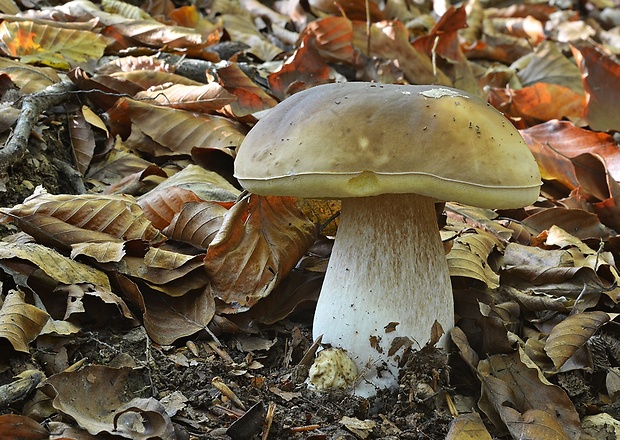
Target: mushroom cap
366, 139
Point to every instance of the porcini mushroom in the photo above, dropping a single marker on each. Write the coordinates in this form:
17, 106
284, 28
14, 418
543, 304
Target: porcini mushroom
389, 152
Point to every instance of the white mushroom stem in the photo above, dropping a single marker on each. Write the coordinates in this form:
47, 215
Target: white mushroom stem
387, 266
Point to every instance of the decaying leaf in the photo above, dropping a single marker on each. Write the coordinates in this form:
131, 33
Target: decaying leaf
104, 406
469, 257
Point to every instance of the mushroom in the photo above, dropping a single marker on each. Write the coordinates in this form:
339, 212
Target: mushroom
389, 152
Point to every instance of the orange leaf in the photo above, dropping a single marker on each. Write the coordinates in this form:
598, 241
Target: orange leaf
250, 97
539, 102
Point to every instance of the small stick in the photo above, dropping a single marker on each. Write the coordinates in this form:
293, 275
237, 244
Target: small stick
268, 420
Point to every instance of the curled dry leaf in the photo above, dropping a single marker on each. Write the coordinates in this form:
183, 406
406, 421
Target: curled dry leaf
118, 216
82, 141
58, 267
161, 204
260, 241
204, 98
469, 257
515, 394
20, 322
598, 68
104, 405
571, 334
250, 97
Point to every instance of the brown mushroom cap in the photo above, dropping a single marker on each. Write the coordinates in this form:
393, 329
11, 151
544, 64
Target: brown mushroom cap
365, 139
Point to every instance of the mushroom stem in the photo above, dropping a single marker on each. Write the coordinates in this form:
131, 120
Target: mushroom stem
387, 267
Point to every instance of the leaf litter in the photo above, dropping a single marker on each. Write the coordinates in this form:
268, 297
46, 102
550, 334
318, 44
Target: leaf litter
165, 303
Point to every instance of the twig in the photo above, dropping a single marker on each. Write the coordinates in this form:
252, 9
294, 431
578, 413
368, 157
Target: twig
33, 105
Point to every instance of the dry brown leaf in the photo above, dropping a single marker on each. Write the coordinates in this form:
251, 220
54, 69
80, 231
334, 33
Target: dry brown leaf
599, 69
304, 69
202, 98
205, 184
468, 427
167, 318
29, 79
241, 28
117, 165
171, 131
548, 64
515, 392
20, 322
196, 223
82, 141
469, 256
160, 205
539, 102
170, 272
118, 216
104, 406
571, 334
14, 426
250, 97
260, 241
389, 40
58, 267
554, 143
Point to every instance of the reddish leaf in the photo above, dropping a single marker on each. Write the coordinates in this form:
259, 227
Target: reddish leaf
304, 69
600, 80
250, 97
260, 241
539, 102
16, 427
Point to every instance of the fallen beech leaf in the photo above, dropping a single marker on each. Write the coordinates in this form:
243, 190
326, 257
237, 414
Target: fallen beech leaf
196, 223
516, 393
167, 318
554, 143
241, 28
55, 47
260, 241
469, 254
332, 38
119, 216
353, 9
468, 427
582, 224
29, 79
20, 322
16, 427
250, 97
571, 334
171, 131
161, 204
304, 69
598, 68
390, 40
548, 64
203, 98
58, 267
82, 142
105, 406
539, 102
